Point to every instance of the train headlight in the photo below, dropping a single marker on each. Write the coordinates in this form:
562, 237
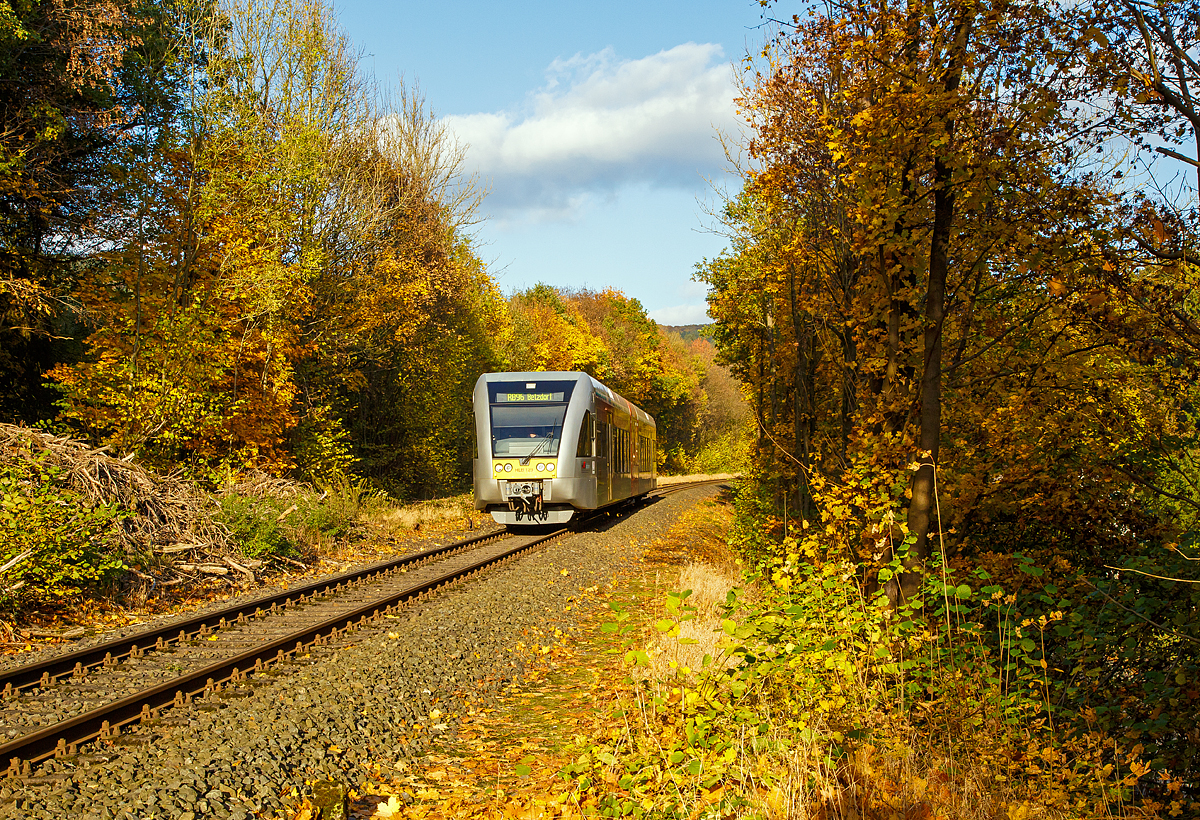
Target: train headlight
508, 468
499, 468
541, 468
549, 468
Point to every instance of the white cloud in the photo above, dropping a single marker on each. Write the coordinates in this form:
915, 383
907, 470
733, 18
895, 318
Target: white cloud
681, 315
600, 122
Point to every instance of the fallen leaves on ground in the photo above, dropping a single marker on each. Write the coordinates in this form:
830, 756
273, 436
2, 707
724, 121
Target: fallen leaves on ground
505, 762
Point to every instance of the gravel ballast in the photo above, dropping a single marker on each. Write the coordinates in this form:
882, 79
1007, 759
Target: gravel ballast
382, 697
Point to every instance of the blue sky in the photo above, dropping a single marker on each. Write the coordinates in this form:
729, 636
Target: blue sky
593, 123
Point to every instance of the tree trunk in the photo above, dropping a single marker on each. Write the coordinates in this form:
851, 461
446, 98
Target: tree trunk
922, 506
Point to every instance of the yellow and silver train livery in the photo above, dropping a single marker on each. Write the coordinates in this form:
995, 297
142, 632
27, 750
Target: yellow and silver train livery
553, 443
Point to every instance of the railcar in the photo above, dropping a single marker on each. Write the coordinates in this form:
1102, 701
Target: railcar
551, 444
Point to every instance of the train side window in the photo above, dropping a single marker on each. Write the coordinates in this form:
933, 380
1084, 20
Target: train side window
584, 448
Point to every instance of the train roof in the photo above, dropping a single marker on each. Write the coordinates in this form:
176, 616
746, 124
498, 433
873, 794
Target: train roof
601, 389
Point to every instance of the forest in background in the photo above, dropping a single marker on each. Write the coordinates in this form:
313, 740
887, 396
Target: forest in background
224, 248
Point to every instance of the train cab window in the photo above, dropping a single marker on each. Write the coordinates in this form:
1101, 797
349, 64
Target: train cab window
527, 417
584, 447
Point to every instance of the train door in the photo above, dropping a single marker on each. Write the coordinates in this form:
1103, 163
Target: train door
603, 455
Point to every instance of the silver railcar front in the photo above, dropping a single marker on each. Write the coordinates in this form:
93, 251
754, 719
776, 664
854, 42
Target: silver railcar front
553, 443
528, 430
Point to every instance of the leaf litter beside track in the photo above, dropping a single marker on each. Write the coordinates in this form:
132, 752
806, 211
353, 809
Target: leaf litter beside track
506, 761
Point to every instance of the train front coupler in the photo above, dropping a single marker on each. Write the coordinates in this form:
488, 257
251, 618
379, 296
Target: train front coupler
525, 499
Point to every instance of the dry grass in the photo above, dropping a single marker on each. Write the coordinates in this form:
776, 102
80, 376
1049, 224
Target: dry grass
456, 511
666, 480
699, 636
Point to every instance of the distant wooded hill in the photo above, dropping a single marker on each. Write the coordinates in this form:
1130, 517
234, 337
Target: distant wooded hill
689, 333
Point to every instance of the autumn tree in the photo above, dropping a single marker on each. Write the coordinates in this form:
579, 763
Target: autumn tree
297, 240
608, 335
963, 336
83, 84
898, 259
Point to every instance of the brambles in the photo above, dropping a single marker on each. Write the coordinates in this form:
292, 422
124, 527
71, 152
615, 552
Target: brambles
296, 521
256, 525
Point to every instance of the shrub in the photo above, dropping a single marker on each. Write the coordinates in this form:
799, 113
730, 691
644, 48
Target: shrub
811, 697
299, 525
54, 546
728, 452
256, 525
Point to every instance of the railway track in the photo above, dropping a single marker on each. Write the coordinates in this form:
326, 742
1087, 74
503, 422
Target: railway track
51, 708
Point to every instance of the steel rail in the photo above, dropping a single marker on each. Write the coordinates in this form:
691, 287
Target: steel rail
668, 489
79, 661
105, 721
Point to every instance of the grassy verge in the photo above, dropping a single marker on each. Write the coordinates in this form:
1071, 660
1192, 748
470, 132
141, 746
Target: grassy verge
299, 521
797, 696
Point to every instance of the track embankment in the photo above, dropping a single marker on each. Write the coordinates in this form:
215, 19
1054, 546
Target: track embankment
382, 692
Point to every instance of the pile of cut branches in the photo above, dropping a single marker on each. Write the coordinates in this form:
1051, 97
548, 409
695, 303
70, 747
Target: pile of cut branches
164, 514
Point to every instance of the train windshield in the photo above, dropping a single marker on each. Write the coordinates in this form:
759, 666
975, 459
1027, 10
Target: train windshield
527, 417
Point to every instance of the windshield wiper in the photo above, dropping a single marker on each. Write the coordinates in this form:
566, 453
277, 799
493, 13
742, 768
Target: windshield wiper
546, 439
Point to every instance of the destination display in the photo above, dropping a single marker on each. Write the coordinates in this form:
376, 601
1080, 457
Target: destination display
530, 393
517, 397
